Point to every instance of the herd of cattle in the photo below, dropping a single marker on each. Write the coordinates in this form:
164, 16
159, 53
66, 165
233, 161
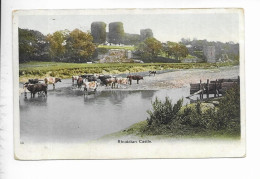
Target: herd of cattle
89, 82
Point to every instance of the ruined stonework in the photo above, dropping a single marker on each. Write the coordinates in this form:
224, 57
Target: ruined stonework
116, 56
145, 33
210, 54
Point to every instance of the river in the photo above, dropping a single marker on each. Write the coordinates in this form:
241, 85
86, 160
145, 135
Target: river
67, 116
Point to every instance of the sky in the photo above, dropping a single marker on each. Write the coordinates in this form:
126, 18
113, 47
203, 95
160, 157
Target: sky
222, 27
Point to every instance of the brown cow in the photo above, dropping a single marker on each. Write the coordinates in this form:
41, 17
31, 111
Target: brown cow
36, 88
111, 81
52, 80
80, 82
135, 77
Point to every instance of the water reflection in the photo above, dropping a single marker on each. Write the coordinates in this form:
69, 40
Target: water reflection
39, 101
147, 94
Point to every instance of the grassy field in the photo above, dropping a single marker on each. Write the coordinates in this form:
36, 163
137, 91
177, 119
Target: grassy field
117, 47
66, 70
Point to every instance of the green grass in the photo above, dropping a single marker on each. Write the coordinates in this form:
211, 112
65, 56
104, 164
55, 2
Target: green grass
117, 47
66, 70
138, 128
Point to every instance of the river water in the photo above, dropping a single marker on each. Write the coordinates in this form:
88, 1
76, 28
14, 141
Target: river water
69, 116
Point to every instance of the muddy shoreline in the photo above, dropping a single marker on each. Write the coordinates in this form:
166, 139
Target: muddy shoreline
182, 78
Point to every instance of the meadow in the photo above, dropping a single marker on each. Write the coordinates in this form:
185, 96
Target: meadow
66, 70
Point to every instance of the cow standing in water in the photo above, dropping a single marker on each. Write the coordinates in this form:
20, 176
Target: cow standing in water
111, 81
80, 82
103, 79
52, 80
36, 88
74, 78
92, 85
122, 81
135, 77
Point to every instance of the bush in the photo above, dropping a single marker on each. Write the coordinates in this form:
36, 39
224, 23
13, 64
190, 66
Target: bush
228, 115
163, 112
166, 118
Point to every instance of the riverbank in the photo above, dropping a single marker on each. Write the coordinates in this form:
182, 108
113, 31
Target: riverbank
66, 70
198, 126
134, 132
197, 120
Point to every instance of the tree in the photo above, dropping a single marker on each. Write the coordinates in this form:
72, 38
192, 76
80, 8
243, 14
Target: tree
57, 42
177, 50
98, 31
32, 45
80, 46
150, 48
116, 32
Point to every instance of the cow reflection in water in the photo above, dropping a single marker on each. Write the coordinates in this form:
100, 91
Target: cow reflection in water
41, 101
90, 96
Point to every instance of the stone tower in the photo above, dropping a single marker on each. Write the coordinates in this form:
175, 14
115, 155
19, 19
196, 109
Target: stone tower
210, 54
145, 33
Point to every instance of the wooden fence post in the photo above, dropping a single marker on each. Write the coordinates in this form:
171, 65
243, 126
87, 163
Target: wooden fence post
207, 88
215, 89
218, 86
200, 89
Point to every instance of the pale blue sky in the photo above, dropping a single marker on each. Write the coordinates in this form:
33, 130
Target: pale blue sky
166, 27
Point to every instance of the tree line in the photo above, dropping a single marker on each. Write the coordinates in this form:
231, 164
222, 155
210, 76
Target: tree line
61, 46
231, 49
77, 46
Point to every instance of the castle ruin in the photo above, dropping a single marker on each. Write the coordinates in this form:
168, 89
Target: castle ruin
210, 54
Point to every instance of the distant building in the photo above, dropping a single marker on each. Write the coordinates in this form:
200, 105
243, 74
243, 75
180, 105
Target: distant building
129, 54
210, 54
145, 33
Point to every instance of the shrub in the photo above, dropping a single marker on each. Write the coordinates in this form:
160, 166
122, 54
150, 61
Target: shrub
169, 119
163, 112
53, 74
228, 115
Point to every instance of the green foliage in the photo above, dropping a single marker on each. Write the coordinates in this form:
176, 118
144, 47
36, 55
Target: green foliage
176, 49
228, 115
79, 46
150, 48
31, 69
168, 119
57, 44
32, 45
102, 50
116, 47
163, 112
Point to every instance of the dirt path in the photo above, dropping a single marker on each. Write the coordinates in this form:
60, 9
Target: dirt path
182, 78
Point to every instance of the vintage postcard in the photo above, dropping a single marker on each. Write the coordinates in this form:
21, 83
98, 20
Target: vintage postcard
128, 83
